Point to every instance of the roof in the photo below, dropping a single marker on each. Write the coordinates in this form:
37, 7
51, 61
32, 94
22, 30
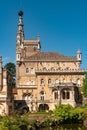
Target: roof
50, 56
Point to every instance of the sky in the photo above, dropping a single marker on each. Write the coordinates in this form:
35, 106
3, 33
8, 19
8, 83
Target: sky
61, 24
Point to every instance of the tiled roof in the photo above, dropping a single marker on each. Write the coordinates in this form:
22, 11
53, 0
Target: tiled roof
51, 56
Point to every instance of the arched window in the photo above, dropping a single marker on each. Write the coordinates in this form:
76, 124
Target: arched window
42, 95
55, 95
49, 81
42, 82
27, 97
65, 94
34, 48
27, 70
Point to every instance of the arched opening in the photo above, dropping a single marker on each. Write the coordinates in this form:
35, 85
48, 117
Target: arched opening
27, 96
68, 95
43, 107
55, 95
65, 94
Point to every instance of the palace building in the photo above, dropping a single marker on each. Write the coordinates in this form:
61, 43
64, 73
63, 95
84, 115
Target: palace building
45, 79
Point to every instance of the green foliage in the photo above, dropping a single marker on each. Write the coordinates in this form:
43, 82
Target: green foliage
3, 127
47, 122
84, 87
8, 124
12, 68
63, 112
78, 114
68, 114
15, 123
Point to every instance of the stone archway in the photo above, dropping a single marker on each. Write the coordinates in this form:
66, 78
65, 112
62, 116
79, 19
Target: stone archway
65, 93
43, 107
65, 96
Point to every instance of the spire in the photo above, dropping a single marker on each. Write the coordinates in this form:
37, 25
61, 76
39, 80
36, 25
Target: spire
79, 55
20, 35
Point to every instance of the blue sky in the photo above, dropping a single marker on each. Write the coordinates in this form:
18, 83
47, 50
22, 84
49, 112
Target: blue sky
61, 24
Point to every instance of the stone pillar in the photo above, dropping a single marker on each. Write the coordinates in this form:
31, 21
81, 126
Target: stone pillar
7, 108
59, 98
72, 98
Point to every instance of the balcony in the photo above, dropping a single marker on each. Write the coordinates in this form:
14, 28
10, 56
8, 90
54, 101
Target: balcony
3, 98
60, 71
27, 86
43, 101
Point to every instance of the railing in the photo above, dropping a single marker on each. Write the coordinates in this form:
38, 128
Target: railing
61, 71
43, 101
26, 86
3, 98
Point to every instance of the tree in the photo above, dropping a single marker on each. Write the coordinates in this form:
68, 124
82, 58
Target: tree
12, 68
84, 87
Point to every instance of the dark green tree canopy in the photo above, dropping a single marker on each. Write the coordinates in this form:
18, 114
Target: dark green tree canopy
11, 67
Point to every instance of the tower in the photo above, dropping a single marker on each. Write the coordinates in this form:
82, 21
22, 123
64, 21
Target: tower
20, 34
20, 37
79, 55
19, 42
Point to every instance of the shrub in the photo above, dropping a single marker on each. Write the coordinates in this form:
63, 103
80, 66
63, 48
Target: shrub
68, 114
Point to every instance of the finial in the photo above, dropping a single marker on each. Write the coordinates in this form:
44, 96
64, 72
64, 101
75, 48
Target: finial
20, 13
38, 37
78, 51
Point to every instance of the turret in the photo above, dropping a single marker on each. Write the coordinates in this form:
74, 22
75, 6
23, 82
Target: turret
39, 46
19, 43
20, 34
79, 55
20, 37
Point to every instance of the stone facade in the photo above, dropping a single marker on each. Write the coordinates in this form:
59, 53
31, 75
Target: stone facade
45, 79
5, 91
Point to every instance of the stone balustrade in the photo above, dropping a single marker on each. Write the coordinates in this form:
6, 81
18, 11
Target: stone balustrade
61, 70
